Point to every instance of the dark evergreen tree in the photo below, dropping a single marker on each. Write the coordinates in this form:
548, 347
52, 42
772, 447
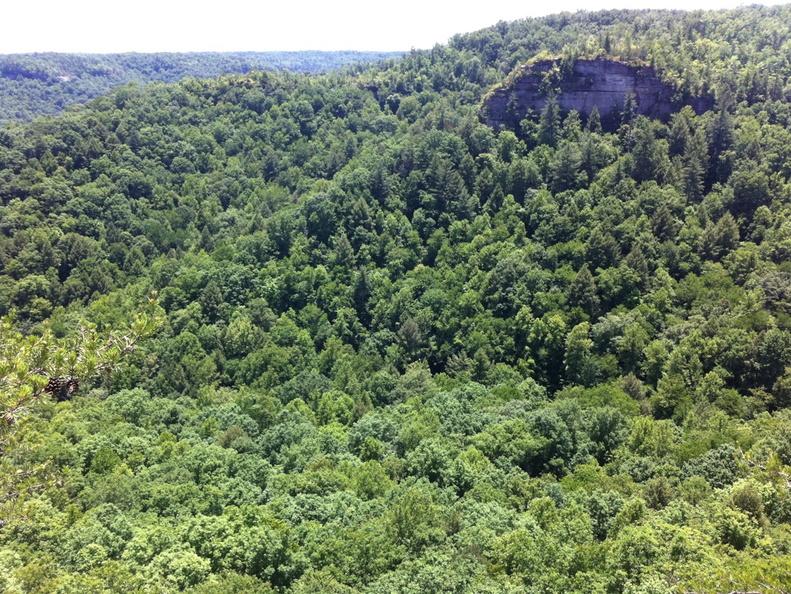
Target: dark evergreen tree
549, 130
582, 292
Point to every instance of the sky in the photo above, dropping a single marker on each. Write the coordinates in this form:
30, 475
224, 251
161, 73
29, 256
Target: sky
103, 26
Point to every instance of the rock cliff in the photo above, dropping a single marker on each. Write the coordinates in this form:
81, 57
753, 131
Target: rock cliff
599, 82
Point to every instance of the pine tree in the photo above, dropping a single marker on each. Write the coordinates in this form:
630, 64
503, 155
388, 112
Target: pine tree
361, 293
594, 121
582, 292
645, 155
695, 160
680, 132
512, 117
549, 123
722, 135
629, 111
567, 167
211, 300
578, 361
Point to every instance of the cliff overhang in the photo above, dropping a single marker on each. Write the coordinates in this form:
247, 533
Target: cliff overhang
582, 85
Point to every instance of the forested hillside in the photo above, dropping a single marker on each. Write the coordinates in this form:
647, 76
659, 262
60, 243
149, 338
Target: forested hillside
285, 333
33, 85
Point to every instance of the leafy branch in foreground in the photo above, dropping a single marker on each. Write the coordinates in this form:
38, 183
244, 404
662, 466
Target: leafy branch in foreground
33, 366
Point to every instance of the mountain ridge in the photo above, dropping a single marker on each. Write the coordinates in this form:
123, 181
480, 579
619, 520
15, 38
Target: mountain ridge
37, 84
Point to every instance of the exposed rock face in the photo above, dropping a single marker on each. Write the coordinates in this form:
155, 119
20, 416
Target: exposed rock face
601, 83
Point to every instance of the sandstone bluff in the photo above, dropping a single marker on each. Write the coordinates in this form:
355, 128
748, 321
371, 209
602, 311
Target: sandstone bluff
600, 83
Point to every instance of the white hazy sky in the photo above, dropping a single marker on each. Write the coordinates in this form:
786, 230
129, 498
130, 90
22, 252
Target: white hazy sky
239, 25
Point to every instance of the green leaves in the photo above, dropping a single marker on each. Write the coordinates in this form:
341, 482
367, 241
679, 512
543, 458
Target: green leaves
29, 363
406, 352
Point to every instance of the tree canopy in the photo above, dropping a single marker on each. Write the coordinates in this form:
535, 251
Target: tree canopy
399, 350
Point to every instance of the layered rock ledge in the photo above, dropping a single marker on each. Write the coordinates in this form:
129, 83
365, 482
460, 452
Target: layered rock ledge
600, 83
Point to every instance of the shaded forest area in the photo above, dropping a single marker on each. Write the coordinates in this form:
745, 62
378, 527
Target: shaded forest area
344, 337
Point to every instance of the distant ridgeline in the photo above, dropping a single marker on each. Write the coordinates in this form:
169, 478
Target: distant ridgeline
581, 86
32, 85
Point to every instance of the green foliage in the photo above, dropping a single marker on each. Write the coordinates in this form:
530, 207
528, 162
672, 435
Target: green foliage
399, 350
44, 83
28, 364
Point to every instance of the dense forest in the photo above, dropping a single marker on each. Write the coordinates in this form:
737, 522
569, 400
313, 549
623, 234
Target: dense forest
279, 332
33, 85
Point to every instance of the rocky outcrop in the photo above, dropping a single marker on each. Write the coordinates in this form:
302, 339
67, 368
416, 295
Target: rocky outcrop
600, 82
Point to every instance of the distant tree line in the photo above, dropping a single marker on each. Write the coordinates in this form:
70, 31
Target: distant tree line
33, 85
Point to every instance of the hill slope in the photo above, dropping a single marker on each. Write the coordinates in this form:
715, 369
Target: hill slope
33, 85
401, 350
